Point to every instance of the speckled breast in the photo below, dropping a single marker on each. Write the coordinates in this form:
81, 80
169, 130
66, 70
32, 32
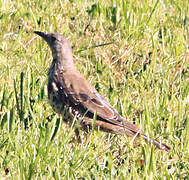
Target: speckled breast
56, 99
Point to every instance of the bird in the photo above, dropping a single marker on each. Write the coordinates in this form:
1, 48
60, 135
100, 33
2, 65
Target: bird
70, 92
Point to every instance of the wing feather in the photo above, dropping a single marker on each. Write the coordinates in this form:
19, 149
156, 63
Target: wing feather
79, 90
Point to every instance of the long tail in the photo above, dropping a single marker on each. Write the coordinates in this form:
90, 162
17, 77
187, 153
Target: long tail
127, 128
159, 145
133, 130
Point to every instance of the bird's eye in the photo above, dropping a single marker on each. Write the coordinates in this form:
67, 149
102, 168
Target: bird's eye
53, 39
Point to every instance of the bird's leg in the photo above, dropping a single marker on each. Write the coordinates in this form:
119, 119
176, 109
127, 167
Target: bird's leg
77, 135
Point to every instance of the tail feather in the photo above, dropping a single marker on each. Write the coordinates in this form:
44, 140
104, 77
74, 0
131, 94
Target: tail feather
128, 129
136, 131
159, 145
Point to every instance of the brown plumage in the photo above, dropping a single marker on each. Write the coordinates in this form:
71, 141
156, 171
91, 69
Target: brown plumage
68, 89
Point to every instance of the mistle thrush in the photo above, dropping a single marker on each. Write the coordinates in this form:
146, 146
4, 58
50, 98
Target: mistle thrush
69, 90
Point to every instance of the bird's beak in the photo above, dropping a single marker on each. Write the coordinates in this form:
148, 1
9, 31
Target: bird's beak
43, 35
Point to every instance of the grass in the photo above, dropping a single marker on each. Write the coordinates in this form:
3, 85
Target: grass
134, 52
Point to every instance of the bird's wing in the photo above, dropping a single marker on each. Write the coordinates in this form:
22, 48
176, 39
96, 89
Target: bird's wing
82, 93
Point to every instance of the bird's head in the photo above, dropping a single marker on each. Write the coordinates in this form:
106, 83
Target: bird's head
60, 46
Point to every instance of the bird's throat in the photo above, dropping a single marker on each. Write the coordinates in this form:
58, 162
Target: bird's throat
62, 62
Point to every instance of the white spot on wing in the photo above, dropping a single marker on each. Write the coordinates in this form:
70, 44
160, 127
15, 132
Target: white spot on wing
55, 88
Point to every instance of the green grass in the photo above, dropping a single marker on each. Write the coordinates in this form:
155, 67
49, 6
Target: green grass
143, 70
